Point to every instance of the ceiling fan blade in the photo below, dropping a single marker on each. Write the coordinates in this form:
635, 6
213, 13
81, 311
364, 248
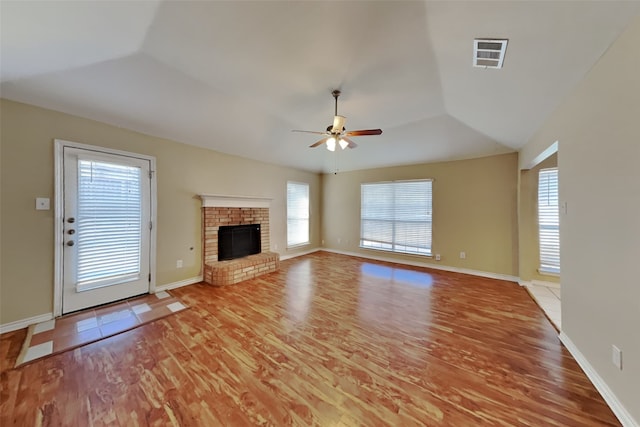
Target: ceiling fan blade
322, 141
350, 142
338, 124
309, 131
364, 132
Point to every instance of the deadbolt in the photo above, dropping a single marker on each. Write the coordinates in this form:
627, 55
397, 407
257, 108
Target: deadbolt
71, 220
70, 243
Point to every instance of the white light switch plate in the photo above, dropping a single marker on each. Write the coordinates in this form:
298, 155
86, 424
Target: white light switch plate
42, 204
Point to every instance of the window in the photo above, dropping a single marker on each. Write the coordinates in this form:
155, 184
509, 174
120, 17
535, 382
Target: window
109, 227
549, 221
396, 216
297, 213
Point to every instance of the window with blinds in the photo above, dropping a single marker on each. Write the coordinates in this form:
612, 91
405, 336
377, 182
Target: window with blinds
297, 213
549, 221
396, 216
109, 225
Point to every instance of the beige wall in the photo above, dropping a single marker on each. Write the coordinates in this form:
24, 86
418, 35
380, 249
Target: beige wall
529, 248
27, 134
474, 210
598, 130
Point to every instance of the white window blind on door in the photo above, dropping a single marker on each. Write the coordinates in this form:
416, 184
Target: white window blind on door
397, 216
549, 221
297, 213
109, 223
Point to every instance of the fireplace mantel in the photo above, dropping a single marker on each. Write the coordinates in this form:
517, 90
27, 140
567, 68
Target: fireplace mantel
222, 201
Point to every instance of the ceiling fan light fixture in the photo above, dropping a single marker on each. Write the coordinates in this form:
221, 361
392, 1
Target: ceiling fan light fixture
338, 124
331, 144
343, 143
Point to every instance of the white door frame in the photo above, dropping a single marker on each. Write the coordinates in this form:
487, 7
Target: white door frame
58, 240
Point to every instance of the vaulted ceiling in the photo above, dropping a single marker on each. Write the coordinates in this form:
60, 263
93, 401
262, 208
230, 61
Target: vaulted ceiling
238, 76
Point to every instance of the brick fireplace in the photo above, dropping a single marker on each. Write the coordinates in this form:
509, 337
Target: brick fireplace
233, 210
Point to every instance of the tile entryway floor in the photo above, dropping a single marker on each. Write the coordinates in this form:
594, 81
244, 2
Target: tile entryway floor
548, 299
74, 330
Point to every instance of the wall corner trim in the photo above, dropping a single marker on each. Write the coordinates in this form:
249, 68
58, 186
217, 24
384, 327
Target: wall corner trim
616, 406
179, 284
23, 323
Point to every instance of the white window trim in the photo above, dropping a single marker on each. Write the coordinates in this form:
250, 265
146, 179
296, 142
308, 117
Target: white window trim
540, 269
59, 146
429, 255
308, 242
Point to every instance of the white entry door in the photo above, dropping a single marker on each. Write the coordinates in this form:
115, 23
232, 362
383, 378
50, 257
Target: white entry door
107, 222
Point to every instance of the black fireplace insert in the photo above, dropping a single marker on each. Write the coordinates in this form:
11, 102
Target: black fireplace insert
237, 241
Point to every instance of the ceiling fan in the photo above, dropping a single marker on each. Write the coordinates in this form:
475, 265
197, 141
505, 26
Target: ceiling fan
336, 134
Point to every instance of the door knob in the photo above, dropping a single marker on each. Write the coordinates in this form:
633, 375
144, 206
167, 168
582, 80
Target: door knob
72, 231
70, 243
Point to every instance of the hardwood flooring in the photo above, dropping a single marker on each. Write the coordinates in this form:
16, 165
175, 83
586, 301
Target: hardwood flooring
328, 340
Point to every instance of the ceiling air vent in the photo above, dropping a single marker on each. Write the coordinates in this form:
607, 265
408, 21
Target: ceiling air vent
489, 53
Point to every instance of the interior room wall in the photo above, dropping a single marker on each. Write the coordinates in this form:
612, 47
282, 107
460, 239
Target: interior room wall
598, 131
183, 171
474, 210
528, 223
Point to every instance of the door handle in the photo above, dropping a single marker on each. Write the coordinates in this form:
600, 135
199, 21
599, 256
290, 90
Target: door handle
70, 243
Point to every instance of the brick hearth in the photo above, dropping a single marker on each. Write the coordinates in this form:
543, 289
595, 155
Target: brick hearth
221, 273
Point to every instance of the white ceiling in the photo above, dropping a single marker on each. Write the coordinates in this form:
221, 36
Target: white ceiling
238, 76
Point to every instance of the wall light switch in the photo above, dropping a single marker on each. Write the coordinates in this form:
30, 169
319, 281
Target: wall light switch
42, 204
616, 357
564, 208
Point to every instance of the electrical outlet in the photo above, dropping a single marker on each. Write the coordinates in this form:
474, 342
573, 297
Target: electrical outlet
437, 257
179, 263
322, 242
463, 255
616, 357
339, 239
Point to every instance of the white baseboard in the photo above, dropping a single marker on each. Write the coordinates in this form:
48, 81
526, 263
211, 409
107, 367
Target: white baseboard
19, 324
179, 284
297, 254
428, 265
546, 284
616, 406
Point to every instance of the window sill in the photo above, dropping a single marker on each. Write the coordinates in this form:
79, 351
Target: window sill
386, 251
548, 273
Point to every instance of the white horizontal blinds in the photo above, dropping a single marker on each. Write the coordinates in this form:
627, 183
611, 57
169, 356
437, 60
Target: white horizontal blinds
549, 220
109, 223
297, 213
397, 216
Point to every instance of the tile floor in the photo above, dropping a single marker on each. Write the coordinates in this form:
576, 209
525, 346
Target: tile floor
76, 329
547, 296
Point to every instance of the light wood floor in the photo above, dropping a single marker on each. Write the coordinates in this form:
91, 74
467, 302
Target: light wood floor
328, 340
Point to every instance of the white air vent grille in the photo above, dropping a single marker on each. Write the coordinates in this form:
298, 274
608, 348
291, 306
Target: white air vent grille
489, 53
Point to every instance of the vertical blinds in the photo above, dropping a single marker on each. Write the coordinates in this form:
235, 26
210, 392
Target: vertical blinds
109, 223
549, 221
297, 213
396, 216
